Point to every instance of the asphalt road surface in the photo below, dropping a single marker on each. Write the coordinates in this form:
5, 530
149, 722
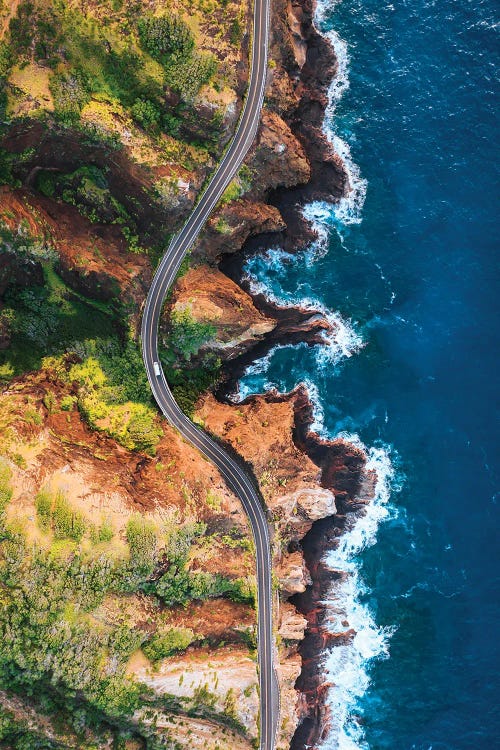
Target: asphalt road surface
234, 475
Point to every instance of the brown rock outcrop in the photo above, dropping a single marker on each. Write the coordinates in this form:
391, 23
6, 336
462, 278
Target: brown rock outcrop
309, 484
213, 298
293, 574
291, 624
277, 159
228, 229
298, 92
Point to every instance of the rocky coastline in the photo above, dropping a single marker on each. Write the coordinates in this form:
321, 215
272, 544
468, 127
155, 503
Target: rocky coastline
342, 466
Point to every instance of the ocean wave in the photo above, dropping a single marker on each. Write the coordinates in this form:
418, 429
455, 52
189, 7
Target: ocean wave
347, 666
320, 216
318, 423
338, 344
349, 209
258, 367
341, 342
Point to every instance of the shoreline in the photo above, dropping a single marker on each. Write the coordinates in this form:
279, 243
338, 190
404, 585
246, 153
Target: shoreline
296, 324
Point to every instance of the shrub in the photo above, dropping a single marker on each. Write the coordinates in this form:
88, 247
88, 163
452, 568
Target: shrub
5, 60
174, 587
214, 501
169, 643
231, 193
58, 515
165, 36
66, 523
70, 93
141, 538
67, 403
43, 506
187, 76
5, 488
50, 402
105, 533
179, 541
20, 28
236, 32
188, 335
145, 113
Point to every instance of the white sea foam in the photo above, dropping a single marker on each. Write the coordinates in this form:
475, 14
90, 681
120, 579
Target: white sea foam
320, 215
258, 367
342, 342
318, 423
339, 343
347, 666
348, 210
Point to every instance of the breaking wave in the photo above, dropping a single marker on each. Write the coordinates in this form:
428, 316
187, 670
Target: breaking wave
342, 341
348, 209
347, 666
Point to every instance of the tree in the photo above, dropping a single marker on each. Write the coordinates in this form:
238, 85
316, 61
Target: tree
166, 36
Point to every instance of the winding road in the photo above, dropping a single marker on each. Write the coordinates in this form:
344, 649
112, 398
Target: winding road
234, 475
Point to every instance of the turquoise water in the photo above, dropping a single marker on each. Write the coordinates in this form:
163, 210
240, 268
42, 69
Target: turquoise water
406, 267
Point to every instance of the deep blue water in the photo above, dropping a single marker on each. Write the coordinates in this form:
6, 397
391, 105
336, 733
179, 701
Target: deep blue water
418, 279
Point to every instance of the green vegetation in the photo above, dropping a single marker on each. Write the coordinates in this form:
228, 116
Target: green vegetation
169, 40
188, 384
214, 501
70, 91
87, 189
126, 58
166, 37
232, 192
55, 653
5, 488
168, 643
16, 734
146, 113
56, 514
113, 391
48, 318
141, 538
188, 335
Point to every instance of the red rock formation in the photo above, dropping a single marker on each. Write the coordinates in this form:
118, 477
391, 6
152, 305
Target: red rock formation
230, 227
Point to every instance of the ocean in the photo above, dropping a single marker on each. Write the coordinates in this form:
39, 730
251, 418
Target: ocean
405, 267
